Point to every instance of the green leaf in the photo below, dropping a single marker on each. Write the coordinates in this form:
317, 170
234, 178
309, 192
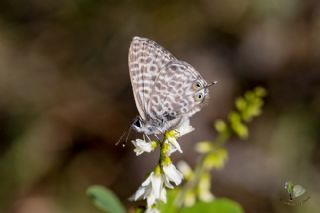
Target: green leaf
105, 199
222, 205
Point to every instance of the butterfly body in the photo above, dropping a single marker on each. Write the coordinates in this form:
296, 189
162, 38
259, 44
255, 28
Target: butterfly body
151, 126
167, 91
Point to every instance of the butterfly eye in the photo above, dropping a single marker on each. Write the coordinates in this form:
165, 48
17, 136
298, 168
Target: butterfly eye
137, 123
197, 85
199, 96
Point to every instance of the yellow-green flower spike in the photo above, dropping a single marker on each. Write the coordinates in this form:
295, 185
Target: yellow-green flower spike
165, 161
157, 170
171, 133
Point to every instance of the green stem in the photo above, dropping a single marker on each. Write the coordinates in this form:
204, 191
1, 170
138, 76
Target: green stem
200, 170
252, 109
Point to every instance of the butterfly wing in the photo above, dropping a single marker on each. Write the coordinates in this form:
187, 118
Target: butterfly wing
146, 59
179, 91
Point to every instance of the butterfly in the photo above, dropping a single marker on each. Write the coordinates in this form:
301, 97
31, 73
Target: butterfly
167, 91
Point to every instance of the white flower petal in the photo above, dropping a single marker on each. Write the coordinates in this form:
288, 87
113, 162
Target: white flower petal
156, 182
147, 192
142, 146
173, 174
152, 210
167, 182
184, 127
138, 194
145, 189
148, 180
173, 141
163, 195
171, 149
151, 199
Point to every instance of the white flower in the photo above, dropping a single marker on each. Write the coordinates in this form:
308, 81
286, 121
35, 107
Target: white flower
142, 146
171, 136
151, 189
174, 145
173, 148
165, 175
172, 173
143, 191
167, 182
163, 195
152, 210
184, 128
157, 185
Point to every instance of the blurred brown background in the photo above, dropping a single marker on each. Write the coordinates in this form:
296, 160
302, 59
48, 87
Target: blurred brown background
65, 96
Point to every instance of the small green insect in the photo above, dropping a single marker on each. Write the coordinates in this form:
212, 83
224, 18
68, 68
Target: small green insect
294, 191
296, 194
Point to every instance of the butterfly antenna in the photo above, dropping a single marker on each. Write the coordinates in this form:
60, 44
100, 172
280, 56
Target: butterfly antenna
125, 142
212, 83
122, 135
119, 140
157, 137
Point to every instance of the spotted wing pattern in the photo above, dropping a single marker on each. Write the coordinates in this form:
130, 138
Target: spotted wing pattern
166, 90
179, 90
146, 60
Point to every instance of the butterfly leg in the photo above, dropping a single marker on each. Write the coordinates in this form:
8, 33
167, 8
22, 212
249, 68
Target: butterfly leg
148, 138
129, 131
157, 137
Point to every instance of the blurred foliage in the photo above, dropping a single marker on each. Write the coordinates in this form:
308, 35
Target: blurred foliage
105, 199
218, 205
214, 155
247, 107
222, 205
65, 96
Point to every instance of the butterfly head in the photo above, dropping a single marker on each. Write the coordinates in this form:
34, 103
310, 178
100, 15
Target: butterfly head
141, 126
201, 90
137, 124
